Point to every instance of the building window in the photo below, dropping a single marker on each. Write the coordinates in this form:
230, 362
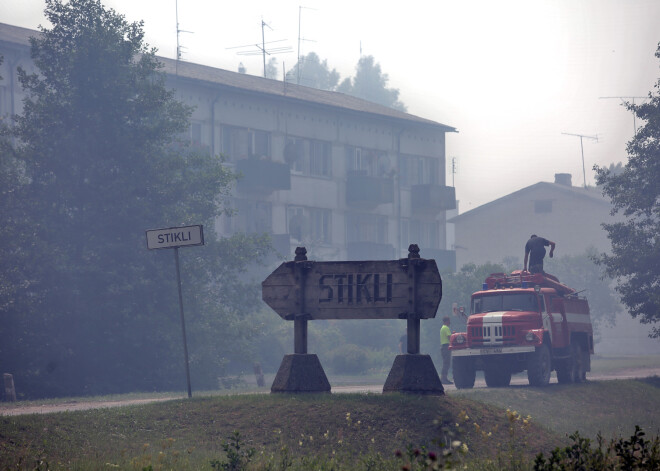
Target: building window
240, 143
361, 227
542, 206
309, 157
311, 225
249, 217
196, 136
422, 233
367, 162
416, 170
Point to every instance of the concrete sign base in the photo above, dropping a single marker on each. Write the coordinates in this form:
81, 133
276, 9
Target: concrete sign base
301, 373
414, 374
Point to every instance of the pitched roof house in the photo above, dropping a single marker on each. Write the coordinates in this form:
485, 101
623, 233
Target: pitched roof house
567, 215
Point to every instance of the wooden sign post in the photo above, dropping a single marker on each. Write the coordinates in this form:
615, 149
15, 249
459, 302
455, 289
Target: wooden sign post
303, 290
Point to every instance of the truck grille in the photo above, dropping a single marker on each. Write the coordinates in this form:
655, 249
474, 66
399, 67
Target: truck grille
480, 335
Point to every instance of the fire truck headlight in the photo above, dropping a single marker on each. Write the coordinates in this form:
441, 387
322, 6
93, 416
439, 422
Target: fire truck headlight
530, 337
459, 339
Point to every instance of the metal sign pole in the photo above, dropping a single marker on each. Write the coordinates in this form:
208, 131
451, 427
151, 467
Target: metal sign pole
183, 322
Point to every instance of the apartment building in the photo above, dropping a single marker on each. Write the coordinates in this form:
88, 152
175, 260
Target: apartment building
346, 178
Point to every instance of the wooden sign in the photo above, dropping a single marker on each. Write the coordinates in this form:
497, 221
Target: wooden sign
389, 289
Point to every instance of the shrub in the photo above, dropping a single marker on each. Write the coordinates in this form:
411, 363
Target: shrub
348, 359
635, 453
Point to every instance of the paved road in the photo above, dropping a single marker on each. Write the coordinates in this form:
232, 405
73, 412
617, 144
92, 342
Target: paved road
8, 409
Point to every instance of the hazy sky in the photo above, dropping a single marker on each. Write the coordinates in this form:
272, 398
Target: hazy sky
511, 76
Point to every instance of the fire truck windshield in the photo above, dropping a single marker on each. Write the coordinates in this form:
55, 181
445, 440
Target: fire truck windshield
505, 302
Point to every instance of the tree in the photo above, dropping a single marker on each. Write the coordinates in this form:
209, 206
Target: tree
311, 72
457, 287
581, 273
635, 258
95, 143
370, 83
272, 69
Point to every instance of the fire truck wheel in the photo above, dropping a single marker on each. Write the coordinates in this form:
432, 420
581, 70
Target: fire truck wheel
539, 366
578, 363
464, 373
497, 377
565, 370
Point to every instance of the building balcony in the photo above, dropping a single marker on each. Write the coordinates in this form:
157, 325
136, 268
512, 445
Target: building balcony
263, 176
445, 259
370, 251
368, 192
431, 199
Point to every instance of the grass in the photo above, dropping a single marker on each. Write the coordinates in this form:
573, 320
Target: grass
611, 407
188, 434
603, 364
339, 431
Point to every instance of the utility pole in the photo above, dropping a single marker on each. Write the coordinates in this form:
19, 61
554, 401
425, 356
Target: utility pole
584, 173
623, 98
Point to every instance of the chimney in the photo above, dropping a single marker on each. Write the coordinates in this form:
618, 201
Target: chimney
563, 179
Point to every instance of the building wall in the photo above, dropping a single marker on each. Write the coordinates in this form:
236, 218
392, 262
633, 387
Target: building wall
572, 221
283, 120
401, 153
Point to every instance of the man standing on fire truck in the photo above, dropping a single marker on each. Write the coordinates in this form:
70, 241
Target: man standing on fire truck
535, 252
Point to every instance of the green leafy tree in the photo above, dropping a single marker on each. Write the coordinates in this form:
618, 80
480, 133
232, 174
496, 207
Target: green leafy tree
95, 142
370, 83
634, 261
581, 273
457, 287
310, 71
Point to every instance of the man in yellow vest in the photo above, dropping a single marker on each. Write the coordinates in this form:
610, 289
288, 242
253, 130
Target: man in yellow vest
445, 332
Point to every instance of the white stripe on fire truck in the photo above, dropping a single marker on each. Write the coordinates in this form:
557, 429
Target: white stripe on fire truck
493, 320
578, 318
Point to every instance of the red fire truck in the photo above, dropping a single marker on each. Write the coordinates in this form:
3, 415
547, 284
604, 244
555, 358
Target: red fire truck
524, 321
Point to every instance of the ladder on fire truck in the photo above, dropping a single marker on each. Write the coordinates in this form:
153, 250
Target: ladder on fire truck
525, 279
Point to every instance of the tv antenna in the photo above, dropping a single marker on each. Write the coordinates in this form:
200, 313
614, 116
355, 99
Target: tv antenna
261, 48
623, 100
581, 136
300, 39
178, 31
454, 170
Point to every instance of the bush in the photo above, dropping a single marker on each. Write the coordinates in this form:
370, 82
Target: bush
635, 453
348, 359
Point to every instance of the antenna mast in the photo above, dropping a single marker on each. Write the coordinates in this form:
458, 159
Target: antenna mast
623, 98
584, 173
178, 46
298, 71
261, 48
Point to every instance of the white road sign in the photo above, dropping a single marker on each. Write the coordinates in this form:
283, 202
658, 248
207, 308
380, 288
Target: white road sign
175, 237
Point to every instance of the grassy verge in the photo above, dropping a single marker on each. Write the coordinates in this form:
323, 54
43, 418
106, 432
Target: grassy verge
346, 431
332, 431
610, 407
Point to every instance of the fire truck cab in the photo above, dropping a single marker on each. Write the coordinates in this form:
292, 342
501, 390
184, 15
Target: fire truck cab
524, 322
